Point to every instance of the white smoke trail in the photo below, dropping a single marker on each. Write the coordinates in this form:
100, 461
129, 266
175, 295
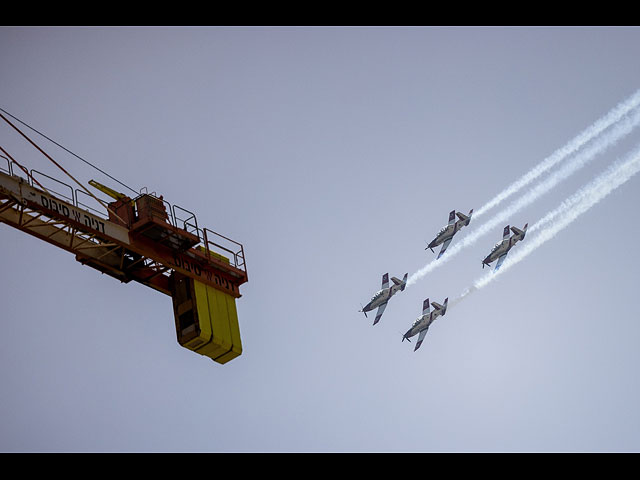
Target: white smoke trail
575, 144
569, 210
467, 291
606, 140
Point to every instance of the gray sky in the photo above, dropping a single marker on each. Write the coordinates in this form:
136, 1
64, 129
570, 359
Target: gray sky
333, 155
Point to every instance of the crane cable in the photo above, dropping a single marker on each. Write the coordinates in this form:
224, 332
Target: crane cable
67, 150
60, 166
9, 157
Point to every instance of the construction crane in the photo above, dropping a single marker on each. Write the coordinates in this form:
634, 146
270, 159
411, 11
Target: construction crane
144, 239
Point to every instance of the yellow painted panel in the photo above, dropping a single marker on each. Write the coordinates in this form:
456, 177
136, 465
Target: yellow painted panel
217, 344
217, 312
215, 320
213, 254
234, 324
201, 306
228, 318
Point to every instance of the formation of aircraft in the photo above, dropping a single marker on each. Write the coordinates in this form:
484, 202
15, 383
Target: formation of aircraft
500, 250
424, 321
444, 237
380, 299
446, 233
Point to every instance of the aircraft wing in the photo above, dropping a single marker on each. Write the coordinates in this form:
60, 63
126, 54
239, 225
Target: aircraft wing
444, 246
421, 336
385, 281
425, 307
500, 260
452, 217
379, 313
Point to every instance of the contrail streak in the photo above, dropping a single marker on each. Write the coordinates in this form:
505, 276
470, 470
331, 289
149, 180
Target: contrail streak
576, 143
606, 140
569, 210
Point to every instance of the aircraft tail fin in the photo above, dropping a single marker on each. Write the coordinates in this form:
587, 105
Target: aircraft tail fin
465, 218
437, 306
520, 233
505, 233
401, 283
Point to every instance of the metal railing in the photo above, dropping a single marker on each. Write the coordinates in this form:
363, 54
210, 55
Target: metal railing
237, 253
49, 189
31, 181
186, 223
210, 241
80, 204
8, 169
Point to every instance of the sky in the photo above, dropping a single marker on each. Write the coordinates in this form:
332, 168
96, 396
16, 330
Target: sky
334, 155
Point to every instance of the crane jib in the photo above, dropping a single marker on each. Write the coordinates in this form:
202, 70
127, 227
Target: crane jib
26, 194
187, 263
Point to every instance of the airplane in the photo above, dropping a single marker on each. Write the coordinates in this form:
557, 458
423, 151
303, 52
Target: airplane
445, 235
500, 250
424, 321
381, 298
